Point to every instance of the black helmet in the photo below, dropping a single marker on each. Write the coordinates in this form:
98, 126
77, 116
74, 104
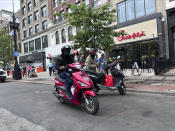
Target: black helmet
66, 50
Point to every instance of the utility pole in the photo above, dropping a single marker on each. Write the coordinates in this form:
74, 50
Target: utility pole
13, 25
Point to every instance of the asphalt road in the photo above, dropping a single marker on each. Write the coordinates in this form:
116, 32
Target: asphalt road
32, 107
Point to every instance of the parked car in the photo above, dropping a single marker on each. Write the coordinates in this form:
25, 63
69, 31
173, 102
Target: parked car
2, 75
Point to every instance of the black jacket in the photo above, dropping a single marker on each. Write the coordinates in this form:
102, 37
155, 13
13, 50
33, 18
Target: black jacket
63, 61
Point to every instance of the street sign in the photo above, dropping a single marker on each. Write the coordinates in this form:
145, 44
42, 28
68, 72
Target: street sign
16, 53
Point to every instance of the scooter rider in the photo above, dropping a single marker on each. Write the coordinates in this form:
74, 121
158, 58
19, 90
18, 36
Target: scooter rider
62, 62
90, 60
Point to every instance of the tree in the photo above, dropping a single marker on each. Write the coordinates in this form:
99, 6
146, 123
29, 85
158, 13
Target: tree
6, 48
97, 30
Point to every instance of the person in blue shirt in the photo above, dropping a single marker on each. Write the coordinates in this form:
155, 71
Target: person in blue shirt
50, 66
102, 62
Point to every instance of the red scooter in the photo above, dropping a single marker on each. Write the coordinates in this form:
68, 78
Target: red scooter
81, 89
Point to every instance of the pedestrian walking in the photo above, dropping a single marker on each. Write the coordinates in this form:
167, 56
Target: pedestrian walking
29, 70
24, 71
8, 71
50, 66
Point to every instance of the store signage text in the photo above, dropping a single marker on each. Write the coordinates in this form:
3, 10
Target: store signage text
132, 36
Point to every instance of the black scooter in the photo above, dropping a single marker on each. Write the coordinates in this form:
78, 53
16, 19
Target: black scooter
99, 81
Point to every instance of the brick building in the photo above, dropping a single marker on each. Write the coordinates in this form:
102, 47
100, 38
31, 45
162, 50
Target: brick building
44, 34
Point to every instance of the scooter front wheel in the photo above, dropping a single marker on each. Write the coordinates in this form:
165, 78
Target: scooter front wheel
91, 105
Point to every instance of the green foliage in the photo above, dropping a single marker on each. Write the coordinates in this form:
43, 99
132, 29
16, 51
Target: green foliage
6, 48
97, 30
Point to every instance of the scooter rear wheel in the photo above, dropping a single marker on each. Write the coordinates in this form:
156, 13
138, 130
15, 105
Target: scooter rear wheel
122, 89
61, 99
92, 106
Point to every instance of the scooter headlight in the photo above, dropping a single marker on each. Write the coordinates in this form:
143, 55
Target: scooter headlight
82, 84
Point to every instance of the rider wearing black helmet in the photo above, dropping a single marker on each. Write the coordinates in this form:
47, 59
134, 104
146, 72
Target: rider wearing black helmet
62, 62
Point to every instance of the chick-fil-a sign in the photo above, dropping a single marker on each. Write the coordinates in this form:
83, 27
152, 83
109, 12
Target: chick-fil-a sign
133, 36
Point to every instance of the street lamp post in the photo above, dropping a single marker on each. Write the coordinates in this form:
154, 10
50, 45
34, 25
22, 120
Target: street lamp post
14, 26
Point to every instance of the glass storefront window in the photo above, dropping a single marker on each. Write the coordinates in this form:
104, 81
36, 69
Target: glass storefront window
141, 52
31, 46
26, 47
150, 6
130, 10
38, 44
121, 12
44, 42
139, 8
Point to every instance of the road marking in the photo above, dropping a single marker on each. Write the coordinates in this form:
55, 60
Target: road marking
12, 122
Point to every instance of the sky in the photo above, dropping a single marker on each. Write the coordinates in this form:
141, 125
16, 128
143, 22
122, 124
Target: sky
7, 5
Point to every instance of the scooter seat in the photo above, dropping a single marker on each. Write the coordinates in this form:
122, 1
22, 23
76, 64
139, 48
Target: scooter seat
101, 74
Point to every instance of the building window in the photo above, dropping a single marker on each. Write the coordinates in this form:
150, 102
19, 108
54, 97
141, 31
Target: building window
56, 18
78, 3
57, 38
132, 9
139, 8
38, 44
22, 1
55, 3
44, 42
30, 31
63, 35
62, 16
150, 6
31, 46
29, 6
95, 3
36, 28
25, 33
19, 47
121, 12
26, 47
24, 22
44, 25
24, 10
86, 2
43, 11
69, 10
36, 15
70, 33
30, 19
78, 29
35, 2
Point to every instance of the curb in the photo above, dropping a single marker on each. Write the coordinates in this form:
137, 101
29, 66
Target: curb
128, 88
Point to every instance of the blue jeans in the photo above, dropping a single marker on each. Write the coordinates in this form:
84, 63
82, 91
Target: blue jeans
67, 77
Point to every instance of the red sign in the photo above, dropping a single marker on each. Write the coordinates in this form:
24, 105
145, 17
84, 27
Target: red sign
133, 36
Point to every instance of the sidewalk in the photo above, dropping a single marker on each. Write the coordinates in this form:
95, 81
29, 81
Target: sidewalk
144, 83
